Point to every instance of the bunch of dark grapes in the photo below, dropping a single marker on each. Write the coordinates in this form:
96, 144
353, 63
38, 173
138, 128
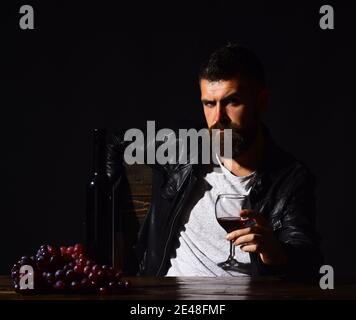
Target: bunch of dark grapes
68, 269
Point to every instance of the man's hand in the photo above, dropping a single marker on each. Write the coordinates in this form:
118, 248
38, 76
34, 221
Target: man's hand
259, 238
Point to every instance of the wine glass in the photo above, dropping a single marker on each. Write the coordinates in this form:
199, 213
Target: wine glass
227, 212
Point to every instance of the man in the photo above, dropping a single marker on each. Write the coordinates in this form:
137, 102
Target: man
181, 236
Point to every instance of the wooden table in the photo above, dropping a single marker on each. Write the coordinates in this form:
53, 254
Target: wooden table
200, 288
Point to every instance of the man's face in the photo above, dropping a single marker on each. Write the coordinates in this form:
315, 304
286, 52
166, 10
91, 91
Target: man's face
233, 104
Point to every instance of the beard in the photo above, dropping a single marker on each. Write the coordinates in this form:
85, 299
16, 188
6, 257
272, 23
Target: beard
241, 139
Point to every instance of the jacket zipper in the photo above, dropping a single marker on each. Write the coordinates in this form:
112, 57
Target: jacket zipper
171, 229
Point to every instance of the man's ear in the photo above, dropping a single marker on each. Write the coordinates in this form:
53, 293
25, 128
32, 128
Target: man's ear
263, 98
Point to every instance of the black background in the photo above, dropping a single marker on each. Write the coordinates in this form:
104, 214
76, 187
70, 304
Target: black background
99, 65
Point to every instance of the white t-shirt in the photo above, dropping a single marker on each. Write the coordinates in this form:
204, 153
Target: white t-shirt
201, 242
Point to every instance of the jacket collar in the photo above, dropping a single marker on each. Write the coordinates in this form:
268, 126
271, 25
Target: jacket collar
274, 158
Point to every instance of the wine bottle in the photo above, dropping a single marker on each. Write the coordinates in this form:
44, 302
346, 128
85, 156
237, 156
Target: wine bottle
99, 220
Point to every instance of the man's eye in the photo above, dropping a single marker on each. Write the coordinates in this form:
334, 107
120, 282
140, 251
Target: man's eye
235, 102
208, 104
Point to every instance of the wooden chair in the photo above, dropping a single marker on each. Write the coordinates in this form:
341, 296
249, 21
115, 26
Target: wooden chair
133, 201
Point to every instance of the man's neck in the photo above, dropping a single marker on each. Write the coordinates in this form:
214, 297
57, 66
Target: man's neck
250, 160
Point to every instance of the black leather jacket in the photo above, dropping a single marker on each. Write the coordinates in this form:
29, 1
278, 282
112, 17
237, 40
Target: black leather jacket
283, 192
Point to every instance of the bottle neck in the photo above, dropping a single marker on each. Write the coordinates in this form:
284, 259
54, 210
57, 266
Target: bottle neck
99, 151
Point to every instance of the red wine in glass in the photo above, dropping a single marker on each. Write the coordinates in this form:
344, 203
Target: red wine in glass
227, 212
233, 223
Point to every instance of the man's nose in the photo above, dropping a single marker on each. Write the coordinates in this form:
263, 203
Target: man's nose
220, 113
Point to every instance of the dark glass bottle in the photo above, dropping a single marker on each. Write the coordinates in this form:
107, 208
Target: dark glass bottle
98, 216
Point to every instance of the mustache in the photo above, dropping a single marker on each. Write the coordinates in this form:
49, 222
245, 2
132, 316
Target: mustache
220, 125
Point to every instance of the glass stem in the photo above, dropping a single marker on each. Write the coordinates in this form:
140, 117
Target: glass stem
231, 256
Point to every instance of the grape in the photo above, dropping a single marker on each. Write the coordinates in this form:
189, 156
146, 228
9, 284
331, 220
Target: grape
50, 249
100, 274
53, 251
85, 283
64, 268
81, 261
103, 290
75, 286
87, 270
90, 263
42, 253
82, 256
15, 274
70, 275
74, 256
63, 250
96, 268
93, 284
44, 247
78, 248
59, 285
42, 250
101, 278
26, 261
60, 275
15, 267
118, 275
112, 285
78, 269
92, 276
55, 262
69, 266
17, 287
50, 278
42, 263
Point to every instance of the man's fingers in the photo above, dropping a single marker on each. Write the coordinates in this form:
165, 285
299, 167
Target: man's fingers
252, 238
241, 232
251, 214
250, 248
248, 213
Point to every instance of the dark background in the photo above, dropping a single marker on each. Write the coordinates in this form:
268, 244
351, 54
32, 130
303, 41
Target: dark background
95, 65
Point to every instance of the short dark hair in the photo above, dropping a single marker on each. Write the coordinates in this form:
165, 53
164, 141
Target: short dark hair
230, 61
